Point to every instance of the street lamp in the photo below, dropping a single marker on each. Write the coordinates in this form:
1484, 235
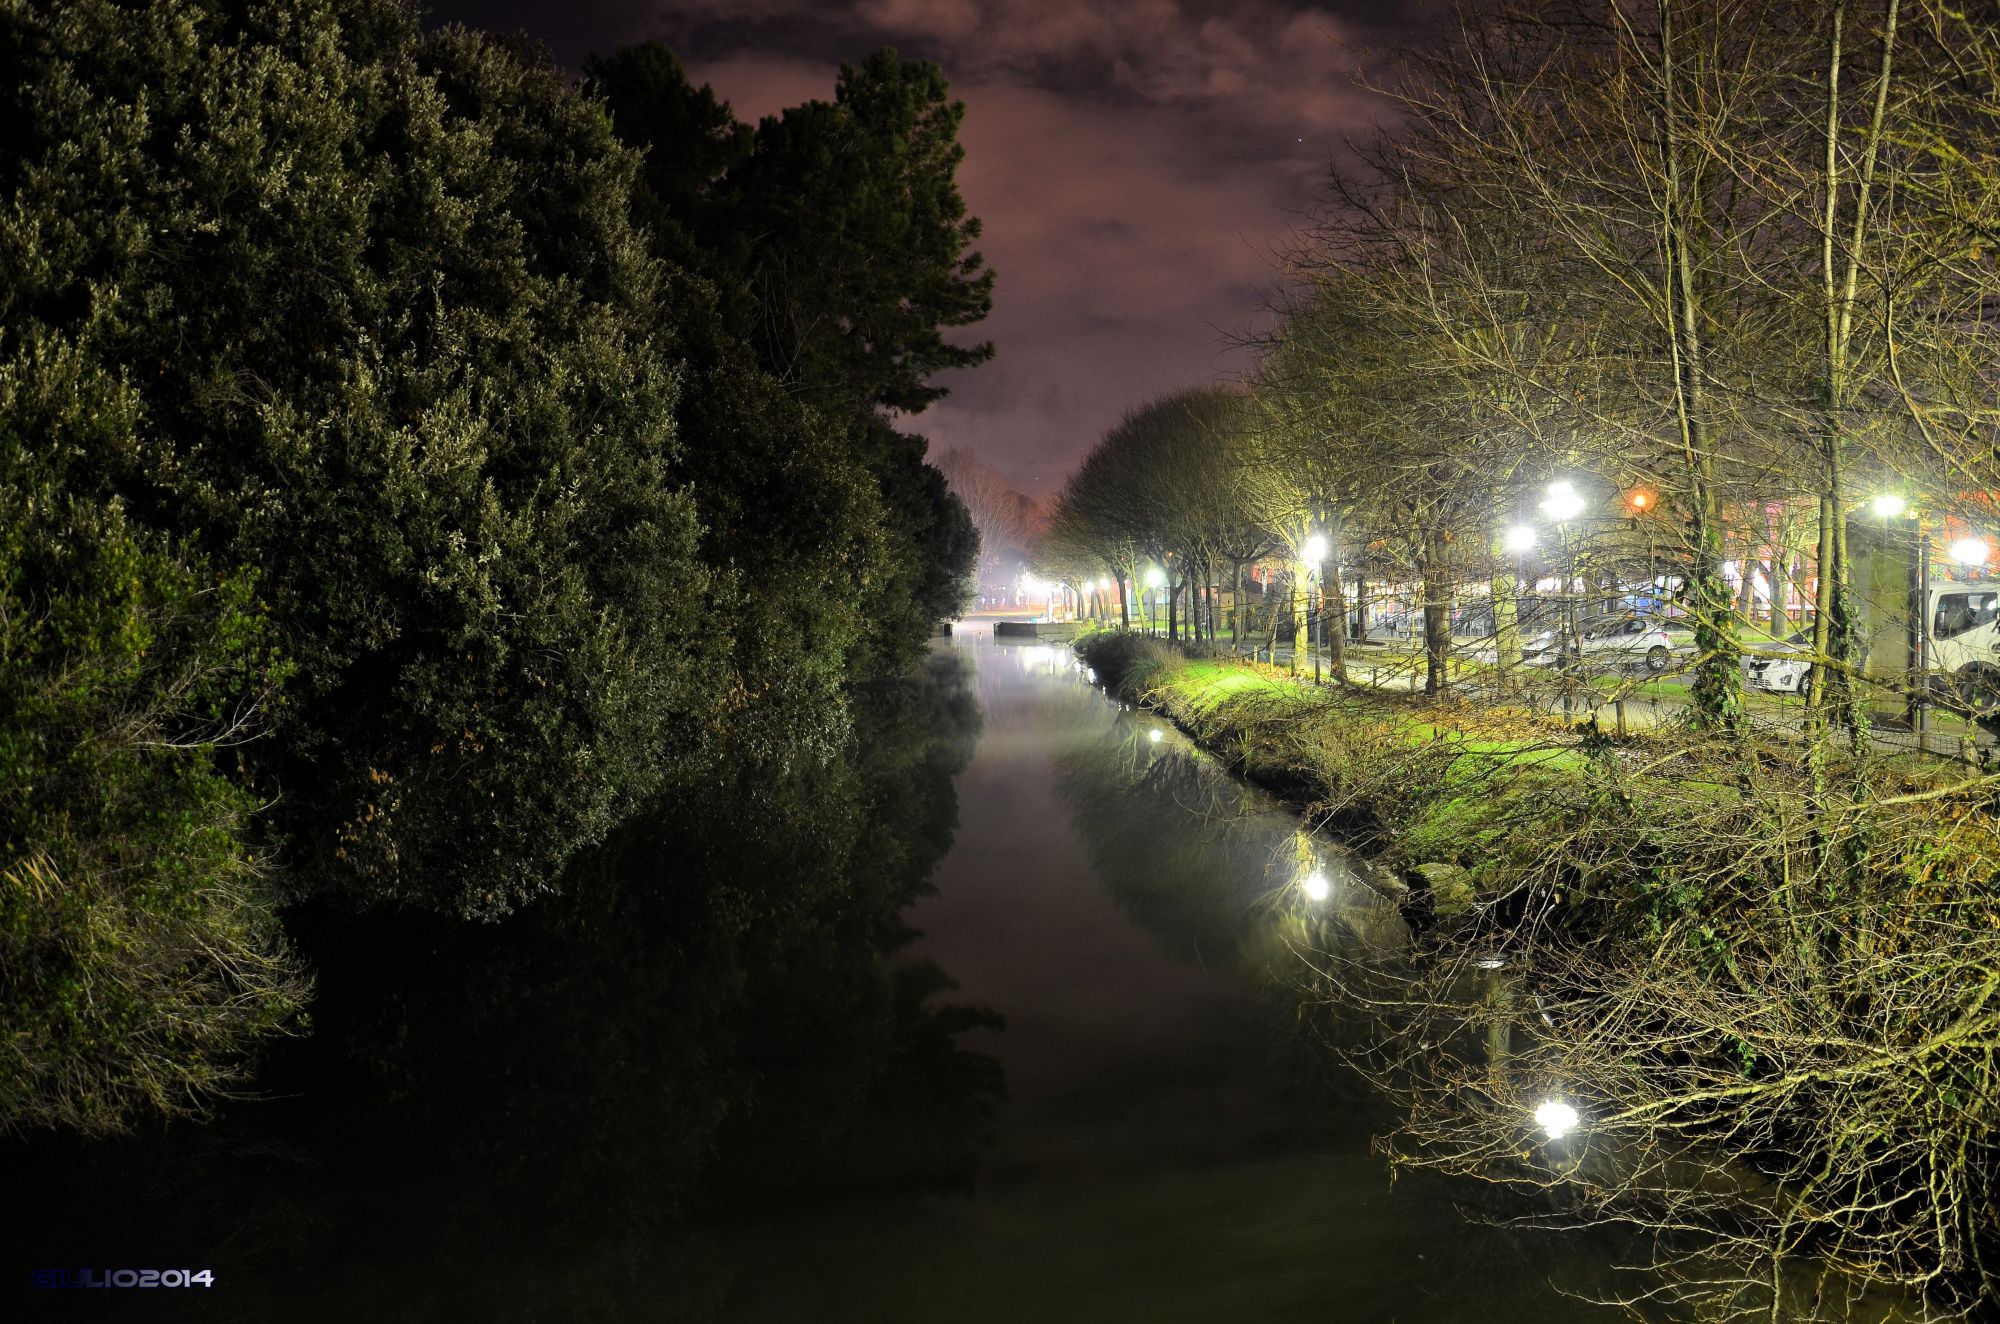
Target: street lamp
1889, 505
1563, 504
1556, 1118
1521, 538
1156, 579
1315, 886
1970, 552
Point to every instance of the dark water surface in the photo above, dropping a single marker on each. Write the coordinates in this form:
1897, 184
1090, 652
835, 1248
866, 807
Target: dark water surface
1173, 1146
726, 1080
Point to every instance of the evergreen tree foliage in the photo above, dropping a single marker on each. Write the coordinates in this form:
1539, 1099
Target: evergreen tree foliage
840, 252
327, 339
138, 948
387, 317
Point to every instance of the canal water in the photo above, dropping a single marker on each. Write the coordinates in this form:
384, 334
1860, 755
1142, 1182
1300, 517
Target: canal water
725, 1074
1175, 1144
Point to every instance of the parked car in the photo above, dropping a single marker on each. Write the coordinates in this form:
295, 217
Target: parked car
1621, 640
1779, 667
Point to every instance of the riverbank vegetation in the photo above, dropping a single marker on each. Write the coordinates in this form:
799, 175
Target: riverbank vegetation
411, 475
1771, 1005
1675, 317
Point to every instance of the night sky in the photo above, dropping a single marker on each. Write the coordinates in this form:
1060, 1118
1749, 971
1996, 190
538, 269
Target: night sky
1140, 167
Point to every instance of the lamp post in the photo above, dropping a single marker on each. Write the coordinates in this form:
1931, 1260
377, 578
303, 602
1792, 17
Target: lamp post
1641, 503
1889, 506
1562, 504
1520, 540
1156, 578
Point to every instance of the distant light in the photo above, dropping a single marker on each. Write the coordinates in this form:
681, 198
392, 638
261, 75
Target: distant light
1156, 578
1640, 500
1103, 582
1889, 505
1520, 538
1562, 503
1556, 1118
1153, 735
1490, 961
1970, 551
1314, 550
1316, 887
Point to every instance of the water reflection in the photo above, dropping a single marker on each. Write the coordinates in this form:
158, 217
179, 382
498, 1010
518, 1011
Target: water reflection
1172, 1147
553, 1118
1210, 866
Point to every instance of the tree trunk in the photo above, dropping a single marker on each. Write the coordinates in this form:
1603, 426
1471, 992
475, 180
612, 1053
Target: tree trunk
1437, 623
1298, 601
1504, 588
1241, 630
1717, 692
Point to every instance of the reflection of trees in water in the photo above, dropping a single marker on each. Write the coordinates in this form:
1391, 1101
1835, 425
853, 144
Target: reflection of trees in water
1210, 866
1196, 858
532, 1119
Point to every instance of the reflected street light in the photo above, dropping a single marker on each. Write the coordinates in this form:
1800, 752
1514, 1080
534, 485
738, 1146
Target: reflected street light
1154, 735
1556, 1118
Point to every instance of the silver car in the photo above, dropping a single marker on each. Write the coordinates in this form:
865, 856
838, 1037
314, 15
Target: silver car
1621, 641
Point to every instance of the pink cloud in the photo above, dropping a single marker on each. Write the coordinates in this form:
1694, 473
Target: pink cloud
1134, 215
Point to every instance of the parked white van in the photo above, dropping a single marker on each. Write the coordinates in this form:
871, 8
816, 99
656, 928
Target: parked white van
1963, 645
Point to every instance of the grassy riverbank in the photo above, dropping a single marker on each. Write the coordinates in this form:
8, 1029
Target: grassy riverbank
1716, 949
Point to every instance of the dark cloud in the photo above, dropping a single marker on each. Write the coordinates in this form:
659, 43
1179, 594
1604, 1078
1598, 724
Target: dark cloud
1138, 166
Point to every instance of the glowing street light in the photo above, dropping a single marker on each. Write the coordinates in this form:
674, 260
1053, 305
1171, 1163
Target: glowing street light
1562, 504
1970, 552
1154, 735
1556, 1118
1520, 538
1889, 505
1316, 887
1156, 579
1314, 551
